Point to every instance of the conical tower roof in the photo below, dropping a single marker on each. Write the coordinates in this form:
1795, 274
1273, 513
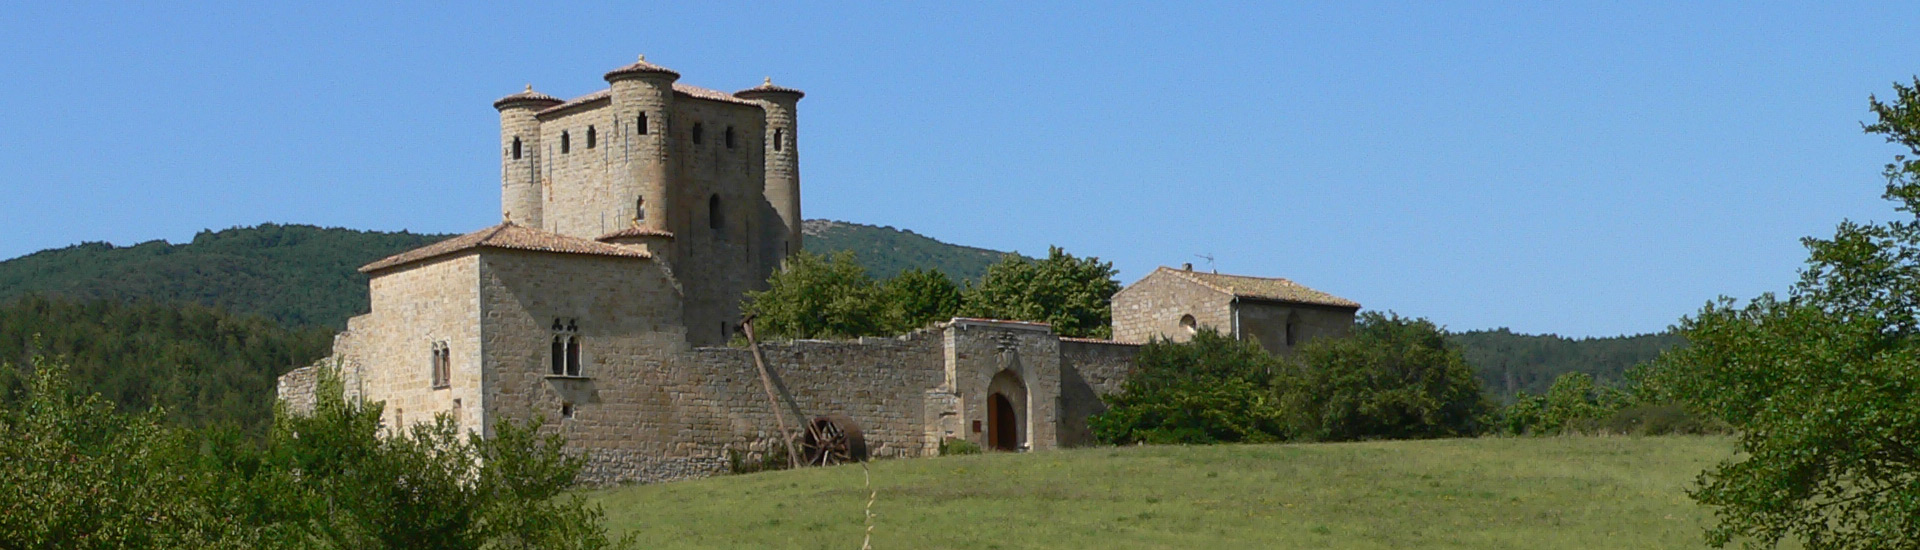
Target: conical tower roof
640, 67
536, 99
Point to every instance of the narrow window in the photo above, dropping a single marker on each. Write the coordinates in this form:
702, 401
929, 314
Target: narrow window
697, 128
640, 209
641, 123
559, 356
573, 356
1292, 329
516, 148
566, 410
715, 220
442, 365
779, 138
729, 135
724, 333
566, 142
593, 137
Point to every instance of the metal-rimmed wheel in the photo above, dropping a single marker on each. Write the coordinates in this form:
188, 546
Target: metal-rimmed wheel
834, 439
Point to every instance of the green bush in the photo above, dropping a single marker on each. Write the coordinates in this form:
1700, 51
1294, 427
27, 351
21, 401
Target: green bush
954, 446
1211, 389
1660, 419
1394, 378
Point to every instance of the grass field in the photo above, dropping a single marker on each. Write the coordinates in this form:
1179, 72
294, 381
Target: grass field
1563, 492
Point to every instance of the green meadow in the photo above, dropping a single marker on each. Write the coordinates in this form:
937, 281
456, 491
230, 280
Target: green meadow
1531, 493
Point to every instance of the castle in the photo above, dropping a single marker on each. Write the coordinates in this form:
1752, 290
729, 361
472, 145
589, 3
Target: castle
634, 220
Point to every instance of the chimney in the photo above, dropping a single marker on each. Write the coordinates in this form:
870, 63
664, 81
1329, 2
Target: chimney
1186, 266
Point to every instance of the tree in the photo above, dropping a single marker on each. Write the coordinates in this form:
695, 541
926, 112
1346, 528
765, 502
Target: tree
1072, 294
918, 297
1394, 378
1211, 389
814, 296
1819, 384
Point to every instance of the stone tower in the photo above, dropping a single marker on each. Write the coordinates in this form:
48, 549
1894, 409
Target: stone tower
706, 181
520, 195
783, 154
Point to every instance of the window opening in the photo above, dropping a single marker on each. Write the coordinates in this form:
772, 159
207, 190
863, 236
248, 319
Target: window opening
565, 351
442, 365
729, 135
779, 138
697, 128
715, 220
1293, 330
593, 137
566, 142
640, 123
566, 410
516, 148
640, 209
1188, 323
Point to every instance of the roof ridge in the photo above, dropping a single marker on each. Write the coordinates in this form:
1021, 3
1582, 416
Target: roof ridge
1188, 275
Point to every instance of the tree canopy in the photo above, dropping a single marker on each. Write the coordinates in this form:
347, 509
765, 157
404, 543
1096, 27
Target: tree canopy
1072, 294
1820, 383
1394, 378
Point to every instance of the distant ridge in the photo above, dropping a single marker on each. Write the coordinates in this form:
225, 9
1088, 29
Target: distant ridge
886, 251
304, 275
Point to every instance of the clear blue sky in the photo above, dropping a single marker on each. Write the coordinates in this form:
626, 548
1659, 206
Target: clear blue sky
1578, 169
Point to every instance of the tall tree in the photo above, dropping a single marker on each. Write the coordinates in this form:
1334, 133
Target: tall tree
816, 296
1072, 294
1820, 384
918, 297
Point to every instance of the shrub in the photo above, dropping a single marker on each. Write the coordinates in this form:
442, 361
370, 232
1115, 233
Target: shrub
1660, 419
1394, 378
954, 446
1211, 389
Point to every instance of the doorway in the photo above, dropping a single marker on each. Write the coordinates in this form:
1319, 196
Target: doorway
1004, 431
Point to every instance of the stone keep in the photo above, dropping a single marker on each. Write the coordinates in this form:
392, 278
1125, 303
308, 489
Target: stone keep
634, 220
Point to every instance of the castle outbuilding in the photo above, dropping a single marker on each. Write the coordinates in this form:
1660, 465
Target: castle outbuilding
634, 219
1276, 313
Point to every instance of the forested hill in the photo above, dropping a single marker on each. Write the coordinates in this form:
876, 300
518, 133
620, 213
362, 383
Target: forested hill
886, 251
1509, 363
301, 275
298, 275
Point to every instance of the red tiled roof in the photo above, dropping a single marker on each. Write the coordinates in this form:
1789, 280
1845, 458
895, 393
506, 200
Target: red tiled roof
1262, 288
528, 96
506, 236
635, 232
767, 87
640, 67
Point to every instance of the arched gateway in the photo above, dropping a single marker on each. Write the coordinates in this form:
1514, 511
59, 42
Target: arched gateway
1007, 412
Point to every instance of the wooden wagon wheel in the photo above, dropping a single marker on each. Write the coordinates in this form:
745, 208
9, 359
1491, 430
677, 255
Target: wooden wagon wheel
834, 439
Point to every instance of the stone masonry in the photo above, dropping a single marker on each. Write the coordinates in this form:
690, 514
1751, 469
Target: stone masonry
634, 221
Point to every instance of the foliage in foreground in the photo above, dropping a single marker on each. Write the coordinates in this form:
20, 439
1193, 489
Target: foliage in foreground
1393, 378
75, 473
1820, 384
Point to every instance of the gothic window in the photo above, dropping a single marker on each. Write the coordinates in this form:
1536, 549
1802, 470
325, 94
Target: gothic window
565, 352
442, 365
715, 219
516, 148
729, 135
697, 128
779, 138
640, 125
566, 142
593, 137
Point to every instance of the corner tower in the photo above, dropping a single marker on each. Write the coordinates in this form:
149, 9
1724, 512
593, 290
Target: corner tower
520, 196
642, 102
782, 154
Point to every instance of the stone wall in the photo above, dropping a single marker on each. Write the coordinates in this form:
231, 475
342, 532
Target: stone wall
1155, 305
1089, 370
388, 352
296, 388
1266, 323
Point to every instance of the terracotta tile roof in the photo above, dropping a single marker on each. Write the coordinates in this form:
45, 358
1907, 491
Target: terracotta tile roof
505, 236
635, 232
683, 89
1262, 288
528, 96
640, 67
767, 87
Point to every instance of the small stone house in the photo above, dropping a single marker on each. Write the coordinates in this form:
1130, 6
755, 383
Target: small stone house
1278, 314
